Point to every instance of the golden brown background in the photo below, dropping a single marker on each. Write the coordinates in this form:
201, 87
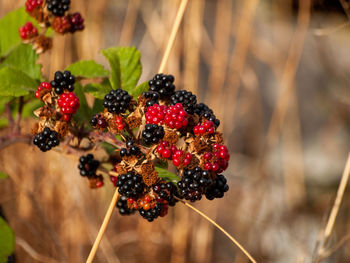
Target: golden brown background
277, 75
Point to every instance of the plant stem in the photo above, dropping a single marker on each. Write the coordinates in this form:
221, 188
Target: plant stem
17, 127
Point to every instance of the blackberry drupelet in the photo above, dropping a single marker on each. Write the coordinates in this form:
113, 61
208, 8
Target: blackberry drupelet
63, 81
218, 188
186, 98
152, 98
163, 84
152, 133
130, 184
203, 110
122, 206
194, 183
167, 191
117, 101
152, 213
88, 166
58, 7
130, 150
46, 140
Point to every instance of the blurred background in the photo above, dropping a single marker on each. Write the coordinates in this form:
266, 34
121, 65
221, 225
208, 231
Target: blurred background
276, 73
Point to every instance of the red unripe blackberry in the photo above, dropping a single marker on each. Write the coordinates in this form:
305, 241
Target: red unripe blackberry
32, 4
117, 101
203, 128
46, 140
63, 81
119, 122
58, 7
155, 114
69, 104
76, 22
186, 99
61, 24
42, 89
28, 31
123, 207
176, 117
162, 84
152, 133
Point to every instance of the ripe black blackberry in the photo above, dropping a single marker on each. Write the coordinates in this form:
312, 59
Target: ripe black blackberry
130, 149
122, 206
63, 81
117, 101
187, 100
88, 166
152, 97
98, 121
58, 7
152, 133
163, 84
167, 191
130, 184
152, 213
204, 111
193, 183
218, 188
46, 140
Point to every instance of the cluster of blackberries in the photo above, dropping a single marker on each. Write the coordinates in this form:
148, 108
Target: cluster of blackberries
46, 140
58, 7
130, 184
63, 81
117, 101
167, 191
152, 98
152, 213
193, 183
163, 85
204, 111
122, 206
186, 98
76, 22
152, 133
88, 166
217, 188
130, 149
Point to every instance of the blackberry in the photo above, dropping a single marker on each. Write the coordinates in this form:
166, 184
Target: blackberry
130, 184
46, 140
88, 166
130, 149
204, 111
98, 121
186, 98
167, 191
122, 206
162, 84
117, 101
218, 188
152, 98
63, 81
152, 133
194, 183
77, 22
58, 7
152, 213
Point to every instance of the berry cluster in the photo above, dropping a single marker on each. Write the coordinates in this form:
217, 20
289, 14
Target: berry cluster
28, 31
130, 150
117, 101
88, 167
130, 184
152, 133
63, 81
152, 97
166, 192
204, 111
123, 207
69, 104
174, 116
98, 122
206, 127
217, 188
186, 99
155, 114
165, 150
76, 22
32, 4
46, 140
216, 161
44, 88
163, 85
58, 7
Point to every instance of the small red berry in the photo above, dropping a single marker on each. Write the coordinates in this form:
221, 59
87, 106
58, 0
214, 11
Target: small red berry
176, 161
166, 153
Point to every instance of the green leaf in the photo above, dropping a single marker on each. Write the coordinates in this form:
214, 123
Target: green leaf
3, 175
98, 90
84, 112
166, 175
7, 240
24, 58
88, 69
111, 54
139, 89
130, 67
14, 82
9, 26
3, 101
3, 122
